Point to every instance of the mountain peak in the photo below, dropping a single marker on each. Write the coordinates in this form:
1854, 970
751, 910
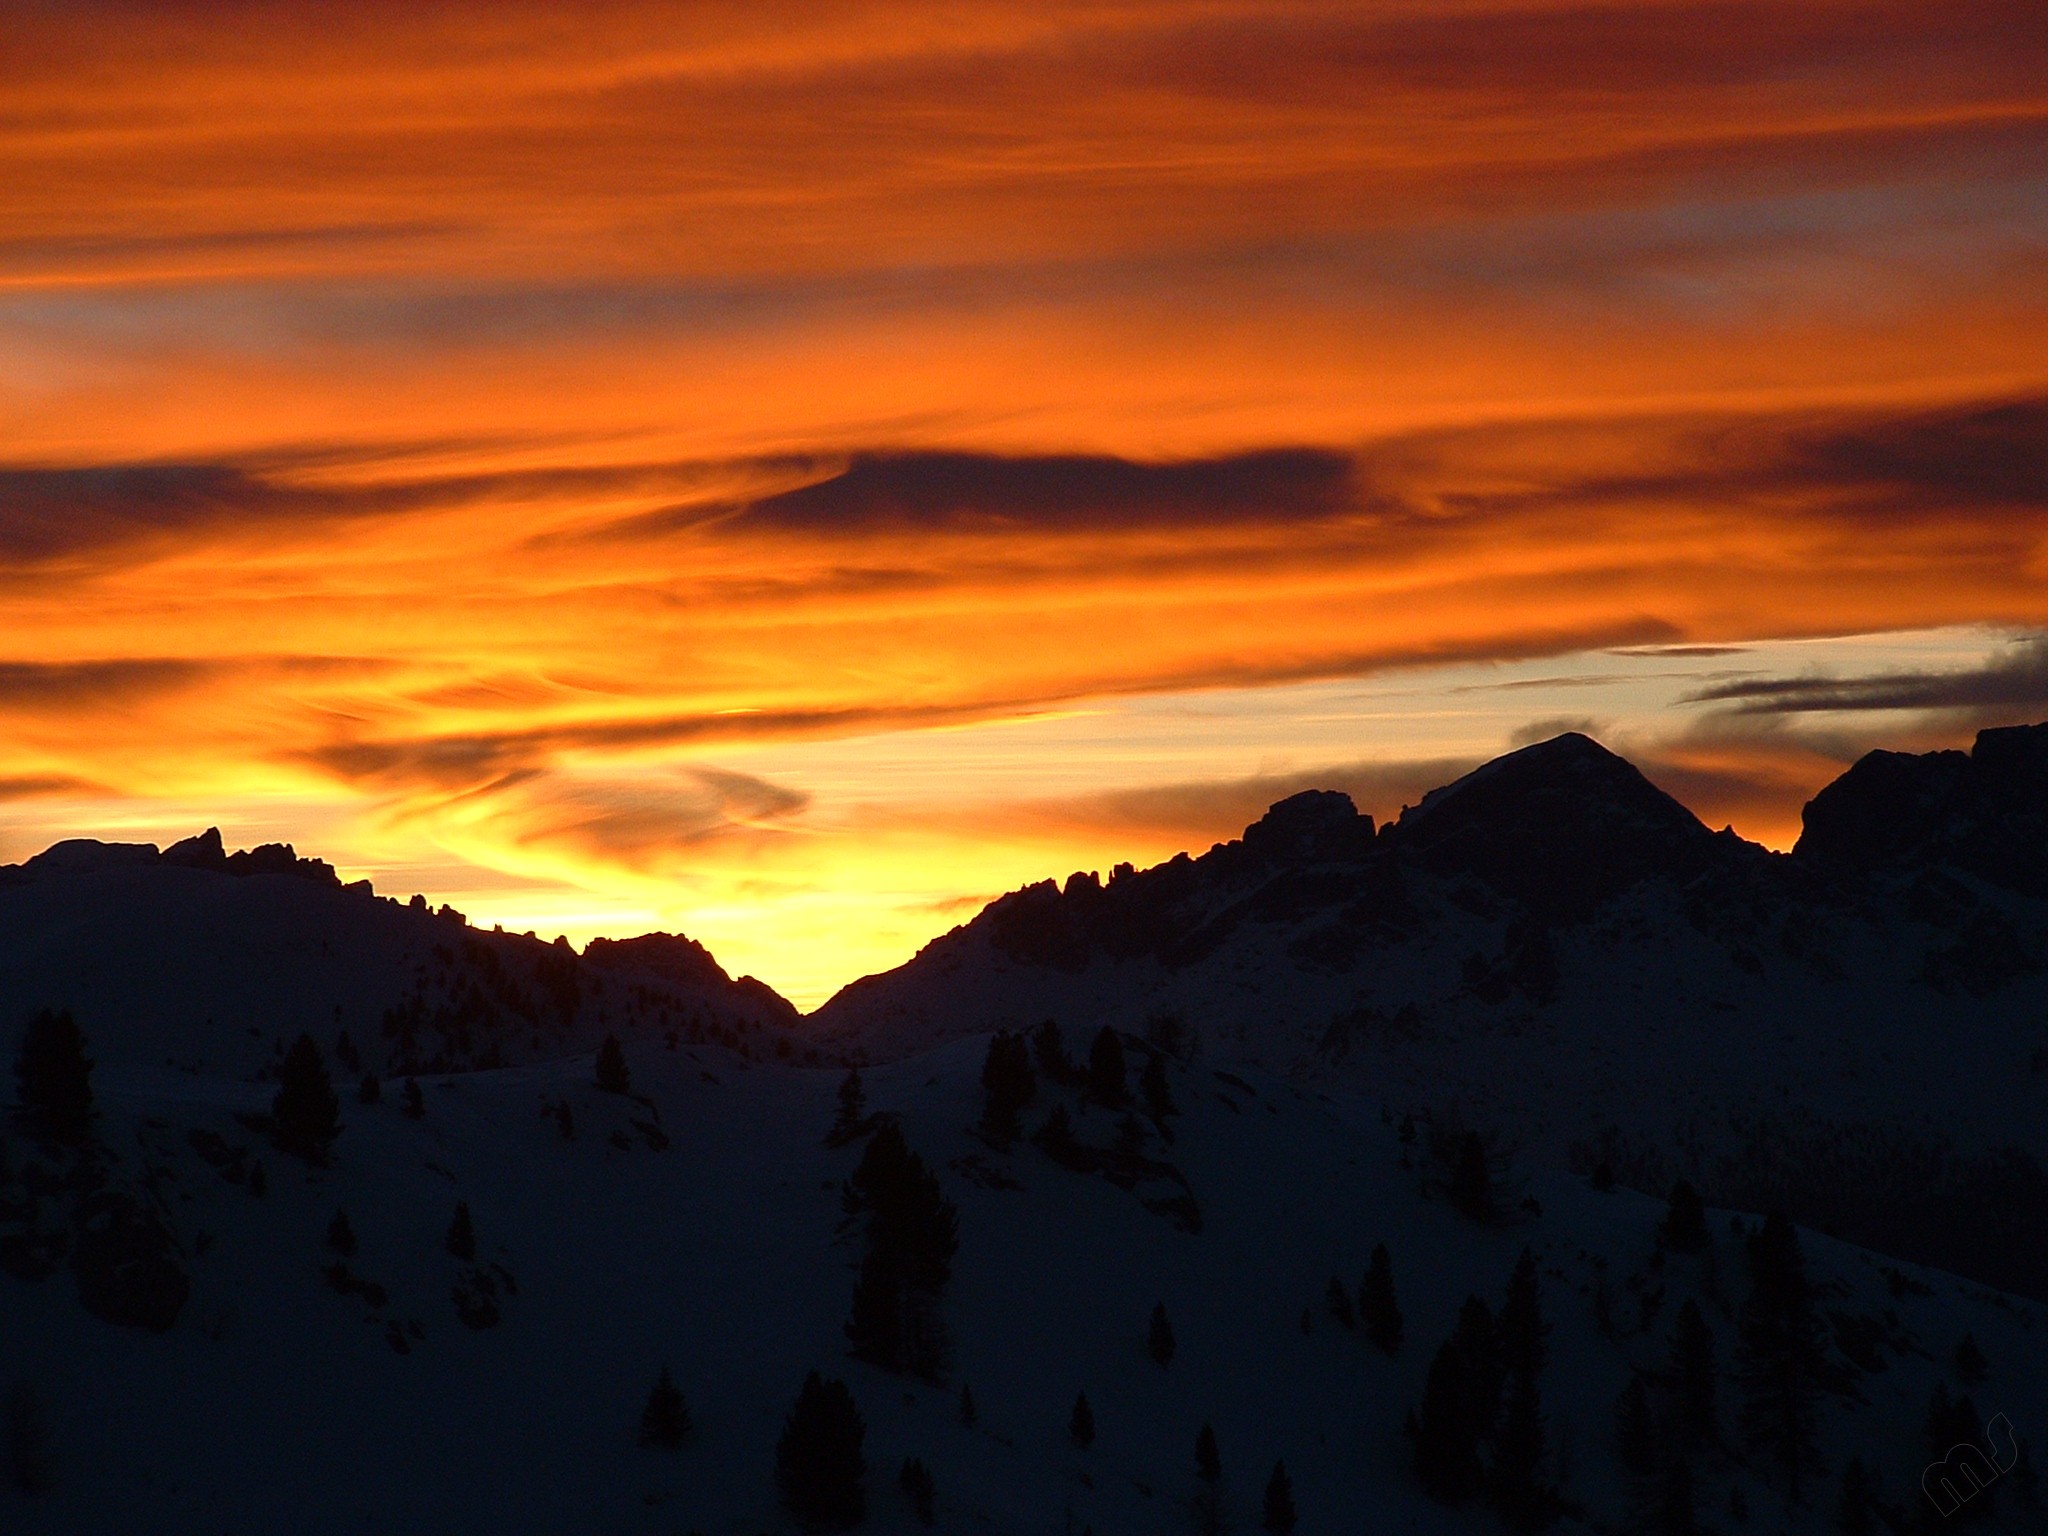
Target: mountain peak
1563, 824
1984, 811
1315, 824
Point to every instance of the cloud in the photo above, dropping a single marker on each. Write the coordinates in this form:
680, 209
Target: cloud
57, 688
2016, 682
1070, 492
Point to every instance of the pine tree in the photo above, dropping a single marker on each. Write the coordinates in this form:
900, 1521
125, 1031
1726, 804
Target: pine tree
1376, 1301
1050, 1047
31, 1462
1677, 1502
341, 1237
1856, 1513
461, 1239
1279, 1506
1159, 1341
305, 1116
1007, 1081
1635, 1428
913, 1233
915, 1480
1208, 1460
1157, 1092
1684, 1229
819, 1468
1782, 1355
1446, 1440
1338, 1300
969, 1414
1521, 1321
1107, 1083
413, 1103
1971, 1366
1081, 1423
370, 1090
53, 1077
612, 1076
665, 1421
853, 1103
1472, 1180
1477, 1340
1693, 1374
1517, 1483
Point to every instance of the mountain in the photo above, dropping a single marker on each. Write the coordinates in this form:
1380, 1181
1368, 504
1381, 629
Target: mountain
195, 960
1500, 1026
1556, 950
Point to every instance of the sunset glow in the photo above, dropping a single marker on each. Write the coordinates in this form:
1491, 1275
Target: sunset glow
788, 474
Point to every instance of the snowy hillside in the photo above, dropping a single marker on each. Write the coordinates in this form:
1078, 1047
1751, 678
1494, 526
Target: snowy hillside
700, 1223
1857, 1031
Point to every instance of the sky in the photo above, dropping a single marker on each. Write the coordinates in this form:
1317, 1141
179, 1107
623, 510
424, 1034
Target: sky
789, 474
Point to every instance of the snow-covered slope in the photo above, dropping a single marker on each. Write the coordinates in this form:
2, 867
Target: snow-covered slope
700, 1224
196, 960
1566, 954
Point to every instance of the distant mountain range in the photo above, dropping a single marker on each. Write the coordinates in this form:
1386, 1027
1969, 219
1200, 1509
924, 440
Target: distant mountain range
231, 1285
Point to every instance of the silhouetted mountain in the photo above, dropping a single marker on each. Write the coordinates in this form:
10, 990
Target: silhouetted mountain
1562, 826
1554, 948
198, 959
1982, 813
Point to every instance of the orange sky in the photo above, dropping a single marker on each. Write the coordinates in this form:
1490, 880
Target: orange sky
791, 473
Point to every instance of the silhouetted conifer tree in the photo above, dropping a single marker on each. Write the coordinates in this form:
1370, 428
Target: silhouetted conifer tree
1517, 1484
53, 1077
1050, 1048
31, 1459
1446, 1439
345, 1051
853, 1104
1782, 1355
1477, 1340
1279, 1516
341, 1237
1684, 1228
1007, 1080
1856, 1512
1157, 1091
461, 1239
819, 1467
1107, 1082
665, 1421
1635, 1428
1338, 1299
1472, 1180
413, 1103
913, 1233
1208, 1459
1521, 1321
1159, 1342
1677, 1511
1971, 1366
1694, 1375
1377, 1305
612, 1076
305, 1117
969, 1414
1081, 1423
369, 1090
915, 1480
1055, 1138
